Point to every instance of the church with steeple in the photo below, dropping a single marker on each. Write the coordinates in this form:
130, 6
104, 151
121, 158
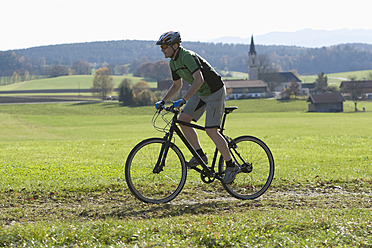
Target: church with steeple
252, 62
254, 87
251, 87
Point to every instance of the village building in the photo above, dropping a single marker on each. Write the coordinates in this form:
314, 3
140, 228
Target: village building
326, 102
242, 89
362, 88
284, 79
307, 88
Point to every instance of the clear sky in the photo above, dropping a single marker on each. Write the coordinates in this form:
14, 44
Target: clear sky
29, 23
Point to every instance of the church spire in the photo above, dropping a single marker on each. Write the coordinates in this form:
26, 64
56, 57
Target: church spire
252, 50
252, 62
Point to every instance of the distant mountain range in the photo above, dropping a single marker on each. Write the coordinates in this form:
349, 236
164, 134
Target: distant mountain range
305, 38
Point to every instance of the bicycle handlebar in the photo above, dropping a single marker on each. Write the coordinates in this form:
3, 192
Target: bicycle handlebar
170, 108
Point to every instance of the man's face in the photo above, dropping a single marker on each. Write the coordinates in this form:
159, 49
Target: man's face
167, 50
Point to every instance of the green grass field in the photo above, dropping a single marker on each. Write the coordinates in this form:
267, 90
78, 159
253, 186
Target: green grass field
66, 82
62, 180
337, 78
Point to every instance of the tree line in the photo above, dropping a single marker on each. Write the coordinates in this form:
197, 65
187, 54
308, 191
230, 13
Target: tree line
127, 55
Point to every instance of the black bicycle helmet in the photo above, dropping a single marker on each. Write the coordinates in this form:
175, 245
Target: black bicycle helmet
169, 38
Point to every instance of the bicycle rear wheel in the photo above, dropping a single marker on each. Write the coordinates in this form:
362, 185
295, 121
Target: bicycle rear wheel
152, 187
256, 167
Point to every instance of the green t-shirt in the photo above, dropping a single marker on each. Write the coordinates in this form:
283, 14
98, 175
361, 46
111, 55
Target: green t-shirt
187, 62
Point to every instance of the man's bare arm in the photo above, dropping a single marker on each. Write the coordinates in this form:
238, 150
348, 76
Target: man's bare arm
176, 86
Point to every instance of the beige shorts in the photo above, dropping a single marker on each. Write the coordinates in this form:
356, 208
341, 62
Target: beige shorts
214, 105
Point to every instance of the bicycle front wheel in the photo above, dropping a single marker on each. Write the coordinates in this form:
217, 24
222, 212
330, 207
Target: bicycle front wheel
152, 187
256, 167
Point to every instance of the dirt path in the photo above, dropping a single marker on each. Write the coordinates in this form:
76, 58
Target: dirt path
23, 206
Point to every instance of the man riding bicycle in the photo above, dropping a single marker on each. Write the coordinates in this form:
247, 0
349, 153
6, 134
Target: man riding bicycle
206, 94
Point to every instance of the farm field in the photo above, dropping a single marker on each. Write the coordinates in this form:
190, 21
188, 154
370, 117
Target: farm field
62, 180
337, 78
65, 82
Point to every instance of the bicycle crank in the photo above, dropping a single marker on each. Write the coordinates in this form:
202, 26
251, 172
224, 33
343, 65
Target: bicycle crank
205, 178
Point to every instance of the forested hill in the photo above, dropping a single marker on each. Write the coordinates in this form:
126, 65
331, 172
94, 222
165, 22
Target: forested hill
233, 57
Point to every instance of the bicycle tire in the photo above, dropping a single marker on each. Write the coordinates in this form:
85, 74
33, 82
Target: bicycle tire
151, 187
250, 185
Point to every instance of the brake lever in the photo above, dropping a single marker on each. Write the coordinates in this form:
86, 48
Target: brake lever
170, 108
158, 111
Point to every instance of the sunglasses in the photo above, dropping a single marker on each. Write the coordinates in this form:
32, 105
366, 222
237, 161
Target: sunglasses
163, 47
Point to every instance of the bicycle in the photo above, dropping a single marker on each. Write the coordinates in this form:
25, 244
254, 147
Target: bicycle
155, 170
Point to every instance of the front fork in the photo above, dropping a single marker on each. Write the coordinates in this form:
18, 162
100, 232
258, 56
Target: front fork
160, 163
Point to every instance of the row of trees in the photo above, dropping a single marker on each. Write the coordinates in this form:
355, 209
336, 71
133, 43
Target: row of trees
137, 95
16, 78
16, 68
157, 71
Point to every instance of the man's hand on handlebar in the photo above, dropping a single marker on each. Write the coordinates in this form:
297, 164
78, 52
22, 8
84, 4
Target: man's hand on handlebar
179, 103
159, 104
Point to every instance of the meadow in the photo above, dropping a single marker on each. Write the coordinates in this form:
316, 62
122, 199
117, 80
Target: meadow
62, 180
67, 82
335, 79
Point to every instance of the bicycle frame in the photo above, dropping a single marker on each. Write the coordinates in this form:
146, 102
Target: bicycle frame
174, 128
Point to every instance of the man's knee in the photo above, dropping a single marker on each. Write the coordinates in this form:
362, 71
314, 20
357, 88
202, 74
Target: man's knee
185, 117
211, 132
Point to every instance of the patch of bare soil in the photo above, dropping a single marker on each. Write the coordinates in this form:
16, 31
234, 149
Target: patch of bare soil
23, 206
